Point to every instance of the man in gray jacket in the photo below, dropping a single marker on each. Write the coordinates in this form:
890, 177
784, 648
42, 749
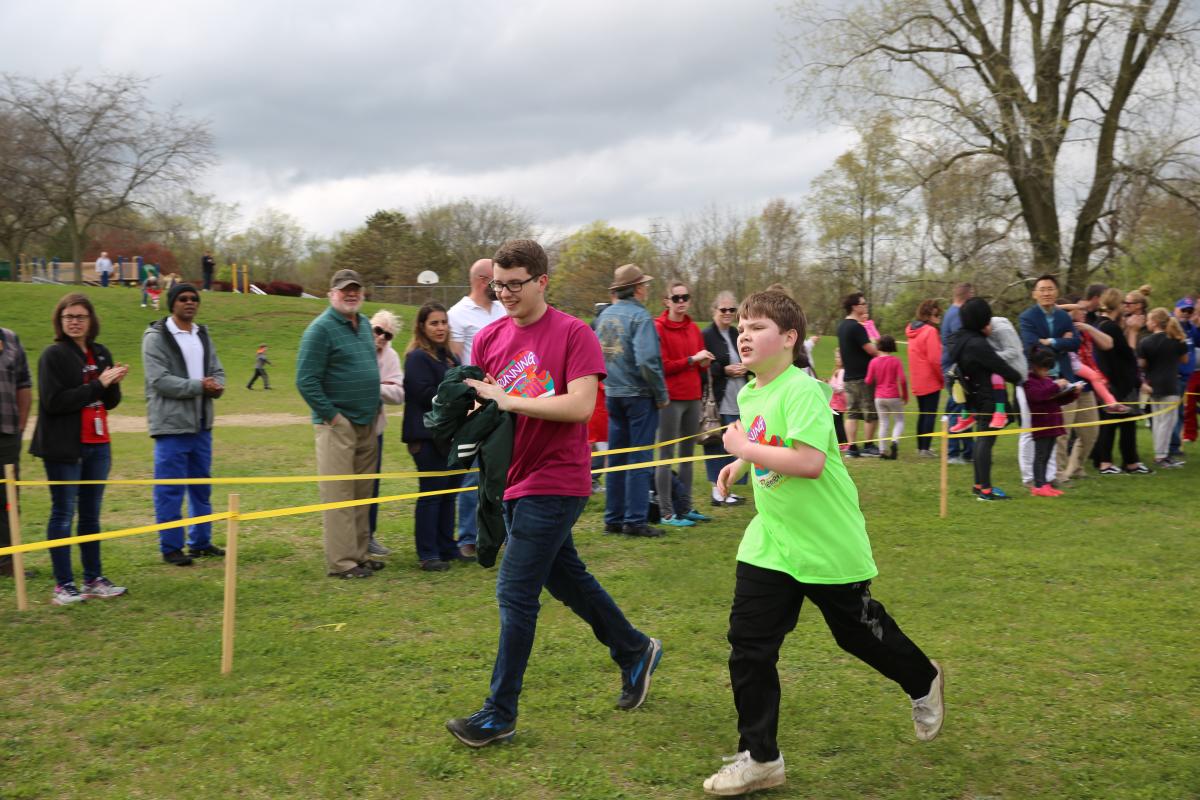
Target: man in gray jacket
183, 376
635, 389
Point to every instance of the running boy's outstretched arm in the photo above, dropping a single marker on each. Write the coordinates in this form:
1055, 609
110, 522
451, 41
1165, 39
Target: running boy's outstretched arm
799, 460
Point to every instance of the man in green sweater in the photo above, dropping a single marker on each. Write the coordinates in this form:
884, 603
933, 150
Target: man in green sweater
337, 375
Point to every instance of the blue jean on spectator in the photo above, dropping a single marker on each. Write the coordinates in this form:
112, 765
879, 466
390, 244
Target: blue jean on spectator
433, 528
93, 464
183, 455
468, 505
632, 422
962, 448
540, 552
714, 465
374, 513
1176, 446
104, 279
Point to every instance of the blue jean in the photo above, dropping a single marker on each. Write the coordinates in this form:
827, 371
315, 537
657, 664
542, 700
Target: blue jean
93, 464
632, 422
468, 505
962, 448
104, 279
183, 455
540, 552
714, 465
433, 527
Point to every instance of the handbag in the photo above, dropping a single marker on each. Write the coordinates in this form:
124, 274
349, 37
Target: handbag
710, 420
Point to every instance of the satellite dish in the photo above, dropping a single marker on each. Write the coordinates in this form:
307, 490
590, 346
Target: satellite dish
427, 277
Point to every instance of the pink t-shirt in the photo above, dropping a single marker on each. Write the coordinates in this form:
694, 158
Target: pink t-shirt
539, 360
887, 374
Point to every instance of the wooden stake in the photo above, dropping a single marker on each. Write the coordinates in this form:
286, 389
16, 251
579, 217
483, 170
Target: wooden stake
14, 528
227, 617
945, 467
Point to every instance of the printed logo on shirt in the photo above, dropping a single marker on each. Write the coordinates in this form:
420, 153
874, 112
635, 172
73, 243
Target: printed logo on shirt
758, 434
523, 378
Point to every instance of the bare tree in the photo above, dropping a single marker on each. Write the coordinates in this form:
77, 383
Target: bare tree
471, 229
1019, 80
23, 210
102, 147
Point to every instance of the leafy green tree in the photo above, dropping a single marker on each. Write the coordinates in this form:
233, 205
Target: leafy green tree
586, 262
471, 229
388, 250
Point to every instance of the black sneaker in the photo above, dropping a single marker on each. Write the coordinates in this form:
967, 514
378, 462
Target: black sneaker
636, 685
853, 452
352, 573
177, 558
1140, 469
870, 451
373, 565
209, 550
613, 527
641, 529
434, 565
481, 729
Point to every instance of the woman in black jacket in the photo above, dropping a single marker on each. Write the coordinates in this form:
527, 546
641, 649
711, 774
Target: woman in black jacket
977, 361
78, 383
425, 363
727, 376
1119, 365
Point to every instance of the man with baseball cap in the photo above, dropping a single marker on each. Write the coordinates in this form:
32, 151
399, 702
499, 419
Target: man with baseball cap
635, 390
338, 376
1189, 376
183, 377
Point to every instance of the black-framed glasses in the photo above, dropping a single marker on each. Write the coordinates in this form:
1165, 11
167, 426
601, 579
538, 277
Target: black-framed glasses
75, 317
680, 298
381, 332
187, 298
727, 310
514, 287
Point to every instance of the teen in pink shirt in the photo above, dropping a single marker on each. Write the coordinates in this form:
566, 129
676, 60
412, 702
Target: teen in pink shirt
886, 374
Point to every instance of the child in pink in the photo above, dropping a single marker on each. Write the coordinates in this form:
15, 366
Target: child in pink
886, 374
1046, 397
837, 401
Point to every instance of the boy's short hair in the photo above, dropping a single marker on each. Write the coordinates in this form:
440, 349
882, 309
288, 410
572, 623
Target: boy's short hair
780, 309
1042, 357
887, 343
1046, 277
851, 300
527, 253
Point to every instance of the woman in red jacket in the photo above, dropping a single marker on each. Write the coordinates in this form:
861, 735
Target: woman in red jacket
925, 369
684, 361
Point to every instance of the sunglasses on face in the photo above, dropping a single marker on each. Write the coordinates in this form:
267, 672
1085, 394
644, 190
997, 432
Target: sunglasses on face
680, 298
381, 332
727, 310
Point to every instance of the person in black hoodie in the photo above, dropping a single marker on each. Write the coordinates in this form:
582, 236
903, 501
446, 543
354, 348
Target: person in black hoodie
977, 361
425, 365
78, 383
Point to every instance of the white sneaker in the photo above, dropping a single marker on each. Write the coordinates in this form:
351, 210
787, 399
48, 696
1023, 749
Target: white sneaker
743, 774
102, 587
929, 712
65, 594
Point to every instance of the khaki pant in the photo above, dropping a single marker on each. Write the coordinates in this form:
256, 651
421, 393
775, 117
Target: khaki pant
1060, 443
1085, 438
345, 448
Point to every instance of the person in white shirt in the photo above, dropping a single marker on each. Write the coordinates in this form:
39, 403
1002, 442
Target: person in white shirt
468, 317
104, 268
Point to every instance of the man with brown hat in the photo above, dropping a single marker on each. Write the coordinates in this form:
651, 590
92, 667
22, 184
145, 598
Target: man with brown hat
635, 390
338, 376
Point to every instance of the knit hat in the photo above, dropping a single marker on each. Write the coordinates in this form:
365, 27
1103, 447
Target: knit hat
975, 314
179, 289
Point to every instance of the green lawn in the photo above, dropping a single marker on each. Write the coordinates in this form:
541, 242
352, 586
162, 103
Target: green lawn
1062, 625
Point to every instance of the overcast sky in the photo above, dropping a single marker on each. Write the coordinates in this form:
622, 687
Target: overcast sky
615, 110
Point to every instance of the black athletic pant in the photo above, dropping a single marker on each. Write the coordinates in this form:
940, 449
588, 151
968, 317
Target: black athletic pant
766, 605
839, 427
927, 404
1042, 448
1124, 432
261, 373
983, 453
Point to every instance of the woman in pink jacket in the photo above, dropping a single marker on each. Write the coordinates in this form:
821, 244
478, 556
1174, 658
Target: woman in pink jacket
925, 370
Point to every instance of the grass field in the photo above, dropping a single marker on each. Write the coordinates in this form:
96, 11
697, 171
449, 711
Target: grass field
1063, 626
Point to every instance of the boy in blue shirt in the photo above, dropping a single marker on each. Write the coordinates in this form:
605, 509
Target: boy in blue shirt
808, 540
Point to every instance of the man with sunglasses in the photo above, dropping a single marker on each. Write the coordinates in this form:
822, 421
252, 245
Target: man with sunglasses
183, 377
338, 376
468, 317
543, 366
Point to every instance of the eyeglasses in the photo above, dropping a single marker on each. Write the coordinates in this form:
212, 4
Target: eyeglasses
187, 298
381, 332
680, 298
514, 287
727, 310
76, 317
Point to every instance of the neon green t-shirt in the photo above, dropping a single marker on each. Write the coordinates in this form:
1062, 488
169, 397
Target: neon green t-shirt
811, 529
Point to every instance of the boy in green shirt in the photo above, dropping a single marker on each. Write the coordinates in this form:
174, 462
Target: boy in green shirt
808, 539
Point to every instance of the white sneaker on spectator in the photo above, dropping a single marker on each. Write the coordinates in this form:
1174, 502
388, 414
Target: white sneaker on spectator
102, 587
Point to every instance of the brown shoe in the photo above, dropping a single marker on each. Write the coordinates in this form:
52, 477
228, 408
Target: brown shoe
467, 551
353, 572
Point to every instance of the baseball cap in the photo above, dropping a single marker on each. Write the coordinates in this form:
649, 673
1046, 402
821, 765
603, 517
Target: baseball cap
1185, 302
343, 278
